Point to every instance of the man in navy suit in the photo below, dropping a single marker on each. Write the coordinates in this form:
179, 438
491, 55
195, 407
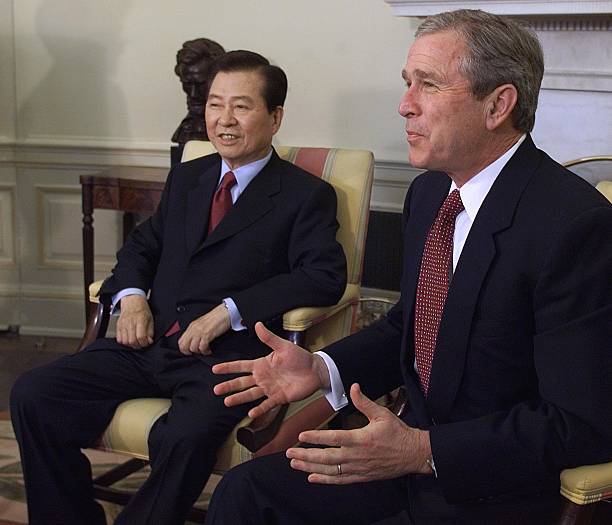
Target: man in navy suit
239, 236
506, 364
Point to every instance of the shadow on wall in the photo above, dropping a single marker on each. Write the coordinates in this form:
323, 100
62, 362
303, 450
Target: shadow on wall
78, 93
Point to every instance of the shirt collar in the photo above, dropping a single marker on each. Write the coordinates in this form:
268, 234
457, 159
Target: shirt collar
245, 174
474, 191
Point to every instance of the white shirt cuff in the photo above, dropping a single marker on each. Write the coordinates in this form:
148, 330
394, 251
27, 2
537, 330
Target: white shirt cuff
336, 396
235, 317
115, 306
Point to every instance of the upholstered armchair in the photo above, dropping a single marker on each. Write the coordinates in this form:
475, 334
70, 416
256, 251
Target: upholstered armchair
350, 173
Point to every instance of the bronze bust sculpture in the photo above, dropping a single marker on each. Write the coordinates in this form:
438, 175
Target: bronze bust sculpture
193, 63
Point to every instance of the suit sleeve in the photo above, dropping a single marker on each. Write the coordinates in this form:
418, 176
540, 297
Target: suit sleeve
569, 424
317, 265
138, 258
371, 357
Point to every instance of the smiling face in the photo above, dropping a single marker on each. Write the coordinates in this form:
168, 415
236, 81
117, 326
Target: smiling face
238, 122
445, 124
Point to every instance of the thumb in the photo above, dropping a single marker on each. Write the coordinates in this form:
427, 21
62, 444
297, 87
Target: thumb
364, 404
269, 338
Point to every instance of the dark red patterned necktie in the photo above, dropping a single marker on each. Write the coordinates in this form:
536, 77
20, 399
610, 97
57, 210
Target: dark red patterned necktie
222, 201
221, 204
432, 286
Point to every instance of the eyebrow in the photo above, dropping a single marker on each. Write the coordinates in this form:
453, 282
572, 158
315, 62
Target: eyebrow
244, 98
420, 74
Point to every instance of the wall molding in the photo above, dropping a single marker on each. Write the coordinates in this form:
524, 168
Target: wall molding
8, 244
51, 291
391, 178
421, 8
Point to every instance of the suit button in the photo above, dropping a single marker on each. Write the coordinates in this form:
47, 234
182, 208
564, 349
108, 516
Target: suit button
180, 309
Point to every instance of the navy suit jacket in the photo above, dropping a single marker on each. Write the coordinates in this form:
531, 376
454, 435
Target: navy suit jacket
275, 250
520, 386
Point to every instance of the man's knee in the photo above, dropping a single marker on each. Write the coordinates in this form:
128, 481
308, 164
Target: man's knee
185, 439
28, 390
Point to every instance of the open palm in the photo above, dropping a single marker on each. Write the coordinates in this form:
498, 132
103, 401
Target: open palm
288, 373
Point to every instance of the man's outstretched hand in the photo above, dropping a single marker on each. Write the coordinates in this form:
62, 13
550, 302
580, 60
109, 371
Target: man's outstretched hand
385, 448
288, 373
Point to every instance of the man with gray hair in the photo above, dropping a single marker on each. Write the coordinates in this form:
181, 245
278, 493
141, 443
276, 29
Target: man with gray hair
501, 338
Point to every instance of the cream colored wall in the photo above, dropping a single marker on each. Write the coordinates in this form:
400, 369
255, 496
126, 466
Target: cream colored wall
102, 72
89, 84
7, 73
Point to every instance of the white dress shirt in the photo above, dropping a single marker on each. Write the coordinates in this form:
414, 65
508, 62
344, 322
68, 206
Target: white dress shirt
473, 194
244, 175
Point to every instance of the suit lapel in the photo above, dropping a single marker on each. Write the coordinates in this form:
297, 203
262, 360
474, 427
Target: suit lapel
495, 215
254, 202
198, 206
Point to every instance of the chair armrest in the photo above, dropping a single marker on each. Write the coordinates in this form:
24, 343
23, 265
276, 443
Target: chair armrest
279, 429
99, 316
587, 484
94, 289
300, 319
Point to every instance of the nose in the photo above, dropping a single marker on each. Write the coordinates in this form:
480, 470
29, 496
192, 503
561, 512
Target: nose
407, 105
226, 117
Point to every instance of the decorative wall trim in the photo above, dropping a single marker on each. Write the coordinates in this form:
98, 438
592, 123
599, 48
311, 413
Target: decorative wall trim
47, 197
588, 23
50, 291
85, 155
10, 290
502, 7
51, 331
577, 80
391, 181
392, 177
7, 226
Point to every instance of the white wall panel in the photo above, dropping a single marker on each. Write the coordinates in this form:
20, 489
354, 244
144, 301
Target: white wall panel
7, 226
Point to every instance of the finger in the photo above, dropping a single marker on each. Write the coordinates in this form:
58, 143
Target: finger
364, 404
204, 347
183, 343
150, 329
331, 438
194, 345
344, 479
233, 367
269, 338
234, 385
265, 406
246, 396
141, 334
320, 456
318, 468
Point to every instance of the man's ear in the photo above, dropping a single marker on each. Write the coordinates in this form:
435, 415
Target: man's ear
277, 115
499, 105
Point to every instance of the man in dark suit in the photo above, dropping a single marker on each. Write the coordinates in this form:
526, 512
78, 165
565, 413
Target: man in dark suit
501, 337
239, 237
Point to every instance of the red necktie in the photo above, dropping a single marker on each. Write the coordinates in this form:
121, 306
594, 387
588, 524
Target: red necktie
221, 204
432, 286
222, 201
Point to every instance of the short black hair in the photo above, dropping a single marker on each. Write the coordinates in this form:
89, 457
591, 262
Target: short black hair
275, 80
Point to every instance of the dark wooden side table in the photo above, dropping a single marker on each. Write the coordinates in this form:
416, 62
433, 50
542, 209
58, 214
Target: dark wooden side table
134, 191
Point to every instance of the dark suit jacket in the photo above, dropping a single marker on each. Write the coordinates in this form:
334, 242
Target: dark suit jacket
521, 383
275, 250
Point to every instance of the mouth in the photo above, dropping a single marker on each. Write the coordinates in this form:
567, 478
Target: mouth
227, 137
413, 135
